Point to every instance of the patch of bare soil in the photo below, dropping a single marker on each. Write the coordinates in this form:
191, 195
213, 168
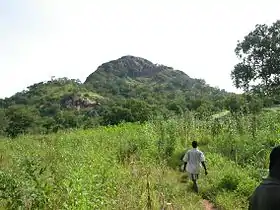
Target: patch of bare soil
208, 206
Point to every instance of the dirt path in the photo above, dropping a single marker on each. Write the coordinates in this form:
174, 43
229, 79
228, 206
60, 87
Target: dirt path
206, 203
208, 206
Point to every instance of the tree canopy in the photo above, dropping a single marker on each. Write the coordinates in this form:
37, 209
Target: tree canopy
259, 53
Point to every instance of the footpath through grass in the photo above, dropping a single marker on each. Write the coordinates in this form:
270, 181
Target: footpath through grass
135, 166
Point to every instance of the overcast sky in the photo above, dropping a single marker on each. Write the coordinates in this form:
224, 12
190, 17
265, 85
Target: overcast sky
71, 38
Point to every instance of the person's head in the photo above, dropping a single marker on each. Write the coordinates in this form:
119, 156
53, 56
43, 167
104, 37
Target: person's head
194, 144
274, 162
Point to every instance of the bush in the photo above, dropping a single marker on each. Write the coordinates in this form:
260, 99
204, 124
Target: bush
229, 182
246, 186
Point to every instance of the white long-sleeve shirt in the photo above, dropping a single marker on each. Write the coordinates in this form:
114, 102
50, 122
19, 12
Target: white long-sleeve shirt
194, 157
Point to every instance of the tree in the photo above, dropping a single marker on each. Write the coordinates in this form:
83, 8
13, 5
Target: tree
68, 119
3, 122
259, 53
129, 110
205, 109
140, 110
255, 104
21, 118
235, 103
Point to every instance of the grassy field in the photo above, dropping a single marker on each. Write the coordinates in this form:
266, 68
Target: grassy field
133, 166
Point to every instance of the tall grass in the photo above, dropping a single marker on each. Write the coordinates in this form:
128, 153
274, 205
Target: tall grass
135, 166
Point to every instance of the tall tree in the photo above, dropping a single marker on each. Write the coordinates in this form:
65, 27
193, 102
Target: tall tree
259, 53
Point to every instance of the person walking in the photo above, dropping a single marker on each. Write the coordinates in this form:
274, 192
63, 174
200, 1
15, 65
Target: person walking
267, 195
193, 159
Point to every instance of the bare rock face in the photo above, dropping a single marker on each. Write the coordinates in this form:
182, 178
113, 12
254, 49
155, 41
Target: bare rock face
74, 101
129, 66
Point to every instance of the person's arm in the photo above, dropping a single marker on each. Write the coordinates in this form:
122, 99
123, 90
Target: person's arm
185, 160
204, 166
202, 159
185, 165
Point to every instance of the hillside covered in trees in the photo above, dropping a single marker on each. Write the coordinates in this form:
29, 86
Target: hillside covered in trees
128, 89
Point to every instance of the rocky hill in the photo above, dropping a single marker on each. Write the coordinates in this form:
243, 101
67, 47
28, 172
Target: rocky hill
129, 66
134, 77
126, 89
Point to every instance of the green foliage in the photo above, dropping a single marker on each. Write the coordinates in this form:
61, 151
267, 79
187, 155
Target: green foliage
3, 122
48, 107
255, 104
20, 119
259, 53
129, 89
129, 110
167, 139
102, 167
235, 103
229, 182
127, 150
10, 191
137, 78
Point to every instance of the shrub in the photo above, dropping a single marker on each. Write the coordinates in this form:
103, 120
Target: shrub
229, 182
246, 186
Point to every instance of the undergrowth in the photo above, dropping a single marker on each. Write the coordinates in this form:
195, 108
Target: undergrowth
136, 166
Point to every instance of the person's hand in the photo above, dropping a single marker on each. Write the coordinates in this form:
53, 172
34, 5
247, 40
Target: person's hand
206, 172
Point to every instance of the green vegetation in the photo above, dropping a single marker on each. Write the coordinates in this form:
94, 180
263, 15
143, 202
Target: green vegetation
115, 141
129, 89
109, 167
259, 55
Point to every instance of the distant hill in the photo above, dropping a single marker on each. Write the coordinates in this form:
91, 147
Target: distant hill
135, 77
126, 89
